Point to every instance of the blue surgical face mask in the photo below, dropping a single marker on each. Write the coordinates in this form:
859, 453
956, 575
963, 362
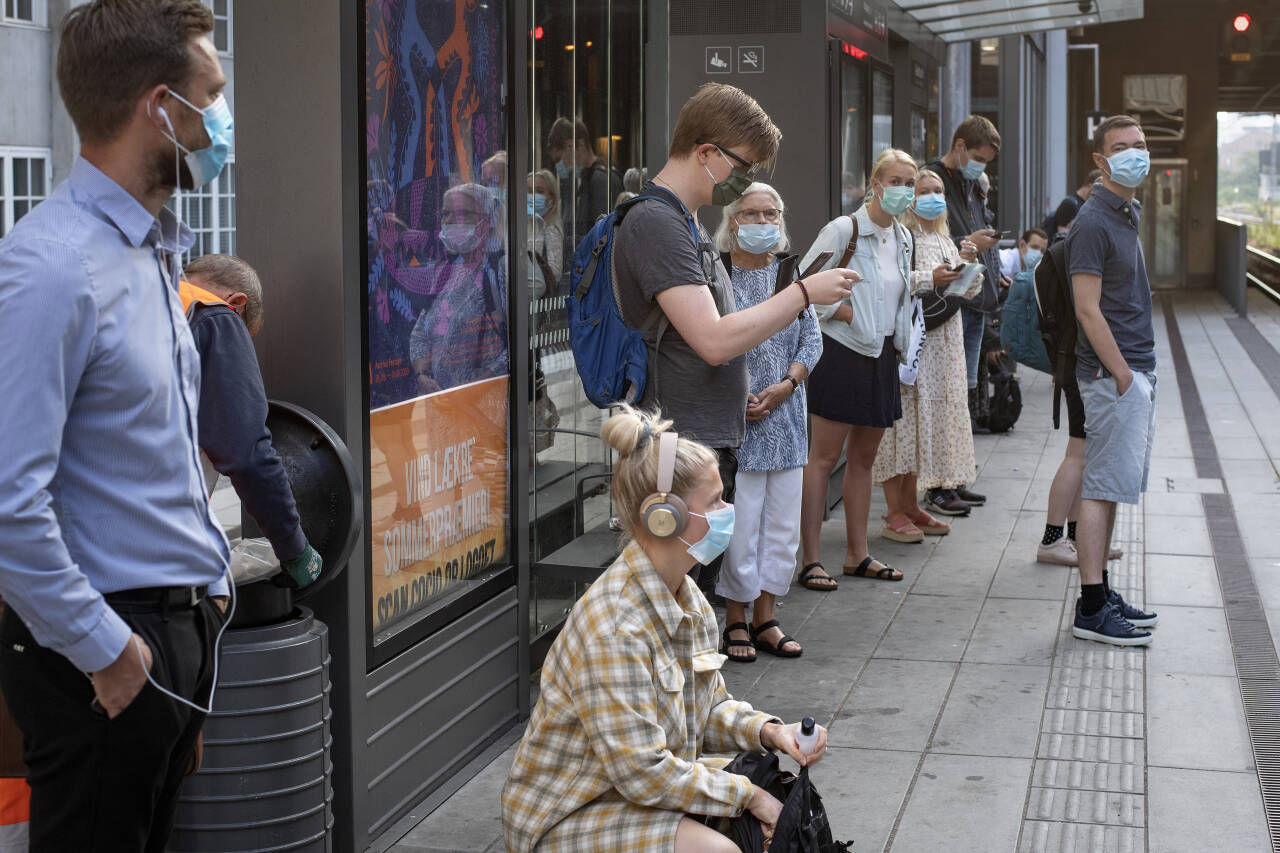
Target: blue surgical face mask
758, 239
1031, 257
459, 239
206, 163
894, 200
973, 169
931, 205
563, 172
1129, 168
537, 204
499, 194
719, 532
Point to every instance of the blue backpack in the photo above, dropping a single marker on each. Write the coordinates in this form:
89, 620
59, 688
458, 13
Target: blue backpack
1020, 324
611, 357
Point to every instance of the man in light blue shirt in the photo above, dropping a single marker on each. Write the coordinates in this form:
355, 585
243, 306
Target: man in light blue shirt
108, 549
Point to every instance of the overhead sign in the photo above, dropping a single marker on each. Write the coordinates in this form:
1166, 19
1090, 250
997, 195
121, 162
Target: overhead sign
751, 59
720, 60
870, 15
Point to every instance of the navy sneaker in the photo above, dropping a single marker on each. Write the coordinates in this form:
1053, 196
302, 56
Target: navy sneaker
1137, 618
1108, 626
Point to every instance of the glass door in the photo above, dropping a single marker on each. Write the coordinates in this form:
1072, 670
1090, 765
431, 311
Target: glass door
852, 121
1162, 227
586, 139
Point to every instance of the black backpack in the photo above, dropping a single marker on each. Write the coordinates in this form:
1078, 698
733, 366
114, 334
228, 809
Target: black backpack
802, 827
1005, 403
1056, 305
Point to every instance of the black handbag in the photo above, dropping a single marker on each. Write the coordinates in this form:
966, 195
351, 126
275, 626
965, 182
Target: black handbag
937, 309
802, 826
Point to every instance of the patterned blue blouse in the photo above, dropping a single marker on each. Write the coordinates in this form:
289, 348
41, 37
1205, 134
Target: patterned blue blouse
780, 441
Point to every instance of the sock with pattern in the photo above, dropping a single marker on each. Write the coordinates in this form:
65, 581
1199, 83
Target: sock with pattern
1071, 530
1052, 533
1092, 597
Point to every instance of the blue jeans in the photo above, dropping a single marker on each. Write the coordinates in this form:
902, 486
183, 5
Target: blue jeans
973, 322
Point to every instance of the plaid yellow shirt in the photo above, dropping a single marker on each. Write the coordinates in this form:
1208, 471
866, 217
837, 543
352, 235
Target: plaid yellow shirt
632, 705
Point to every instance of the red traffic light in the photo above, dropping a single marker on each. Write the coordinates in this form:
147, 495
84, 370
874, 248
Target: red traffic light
537, 33
1241, 22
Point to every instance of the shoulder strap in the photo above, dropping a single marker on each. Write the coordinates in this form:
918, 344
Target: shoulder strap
853, 244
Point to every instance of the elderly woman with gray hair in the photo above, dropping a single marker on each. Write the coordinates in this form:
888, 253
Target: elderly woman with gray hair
760, 560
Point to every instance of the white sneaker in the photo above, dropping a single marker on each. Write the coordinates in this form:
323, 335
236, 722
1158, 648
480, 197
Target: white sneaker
1062, 553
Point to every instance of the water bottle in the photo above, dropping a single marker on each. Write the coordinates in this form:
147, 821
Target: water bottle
807, 737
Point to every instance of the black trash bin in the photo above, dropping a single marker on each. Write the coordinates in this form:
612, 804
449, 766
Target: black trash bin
265, 783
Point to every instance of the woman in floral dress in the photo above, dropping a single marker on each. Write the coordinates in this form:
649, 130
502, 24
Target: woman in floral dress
932, 445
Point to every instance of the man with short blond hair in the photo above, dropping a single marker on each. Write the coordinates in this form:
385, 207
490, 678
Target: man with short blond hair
698, 377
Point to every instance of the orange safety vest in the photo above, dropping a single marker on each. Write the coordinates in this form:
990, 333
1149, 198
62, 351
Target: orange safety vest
15, 801
192, 296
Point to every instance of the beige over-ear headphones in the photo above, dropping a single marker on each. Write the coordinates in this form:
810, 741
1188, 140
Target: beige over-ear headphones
664, 514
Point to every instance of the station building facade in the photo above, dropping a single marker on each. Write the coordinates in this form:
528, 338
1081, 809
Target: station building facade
381, 186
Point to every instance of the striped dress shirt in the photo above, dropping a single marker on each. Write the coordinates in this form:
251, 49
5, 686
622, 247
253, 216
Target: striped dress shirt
100, 482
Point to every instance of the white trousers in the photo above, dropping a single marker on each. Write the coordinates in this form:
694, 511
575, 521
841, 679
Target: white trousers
766, 533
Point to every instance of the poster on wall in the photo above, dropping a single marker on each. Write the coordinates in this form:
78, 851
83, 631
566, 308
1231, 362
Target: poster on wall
439, 369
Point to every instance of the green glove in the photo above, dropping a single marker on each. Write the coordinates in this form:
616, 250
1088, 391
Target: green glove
303, 569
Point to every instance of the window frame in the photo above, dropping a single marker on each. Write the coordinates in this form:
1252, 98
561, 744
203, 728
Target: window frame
220, 238
229, 51
39, 15
9, 153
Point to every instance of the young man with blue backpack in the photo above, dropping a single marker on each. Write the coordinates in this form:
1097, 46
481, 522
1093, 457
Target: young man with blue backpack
681, 344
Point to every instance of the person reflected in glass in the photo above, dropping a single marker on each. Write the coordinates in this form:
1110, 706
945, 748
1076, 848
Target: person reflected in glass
493, 174
627, 745
546, 260
758, 566
545, 234
461, 336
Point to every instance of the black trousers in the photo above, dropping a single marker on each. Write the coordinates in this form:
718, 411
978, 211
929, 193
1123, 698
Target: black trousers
100, 785
727, 458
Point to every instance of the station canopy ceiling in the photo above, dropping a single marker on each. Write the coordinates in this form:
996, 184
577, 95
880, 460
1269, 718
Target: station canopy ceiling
965, 20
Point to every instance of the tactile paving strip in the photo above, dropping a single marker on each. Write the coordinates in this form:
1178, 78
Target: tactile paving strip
1089, 782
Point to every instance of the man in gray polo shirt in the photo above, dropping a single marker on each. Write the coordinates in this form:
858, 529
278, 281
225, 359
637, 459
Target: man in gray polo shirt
1116, 367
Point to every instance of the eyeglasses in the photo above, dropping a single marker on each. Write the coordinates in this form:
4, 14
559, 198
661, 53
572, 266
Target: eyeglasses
751, 168
769, 214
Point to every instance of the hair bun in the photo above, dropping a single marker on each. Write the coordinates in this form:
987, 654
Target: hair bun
628, 430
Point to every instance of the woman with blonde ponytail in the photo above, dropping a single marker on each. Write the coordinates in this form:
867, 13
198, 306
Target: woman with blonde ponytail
609, 761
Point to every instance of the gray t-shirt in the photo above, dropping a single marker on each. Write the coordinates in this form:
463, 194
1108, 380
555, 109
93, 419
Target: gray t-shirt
654, 250
1103, 241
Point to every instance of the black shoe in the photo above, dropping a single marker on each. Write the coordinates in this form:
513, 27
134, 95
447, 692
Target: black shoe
971, 498
946, 501
1108, 626
1137, 618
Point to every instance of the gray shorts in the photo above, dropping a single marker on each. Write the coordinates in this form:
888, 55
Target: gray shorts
1119, 431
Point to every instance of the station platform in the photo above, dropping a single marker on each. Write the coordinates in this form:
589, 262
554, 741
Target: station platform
964, 716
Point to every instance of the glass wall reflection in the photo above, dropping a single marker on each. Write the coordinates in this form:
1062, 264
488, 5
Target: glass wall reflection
586, 133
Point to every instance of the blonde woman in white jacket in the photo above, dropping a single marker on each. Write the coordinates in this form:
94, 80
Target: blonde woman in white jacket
853, 391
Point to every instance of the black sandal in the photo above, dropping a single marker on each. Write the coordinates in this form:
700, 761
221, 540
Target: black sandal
765, 646
863, 570
728, 642
810, 579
